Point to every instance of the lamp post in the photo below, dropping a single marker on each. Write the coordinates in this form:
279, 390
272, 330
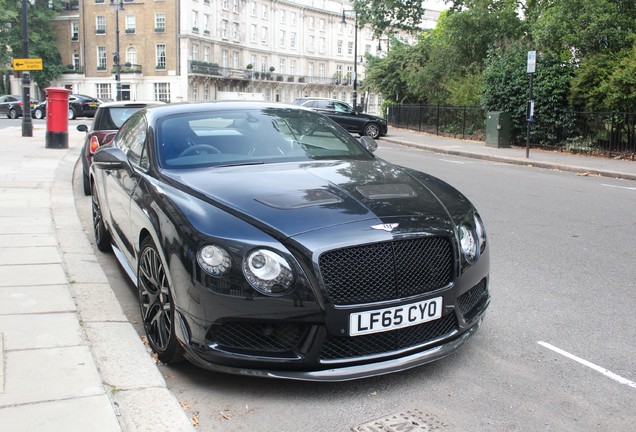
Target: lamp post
27, 124
355, 55
118, 5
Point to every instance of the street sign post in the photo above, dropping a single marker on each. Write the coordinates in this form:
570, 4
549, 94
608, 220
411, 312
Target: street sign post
27, 64
531, 69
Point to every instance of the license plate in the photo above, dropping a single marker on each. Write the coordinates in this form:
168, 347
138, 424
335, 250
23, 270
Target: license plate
92, 105
375, 321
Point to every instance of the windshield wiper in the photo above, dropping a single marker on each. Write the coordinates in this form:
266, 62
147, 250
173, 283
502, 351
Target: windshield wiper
239, 164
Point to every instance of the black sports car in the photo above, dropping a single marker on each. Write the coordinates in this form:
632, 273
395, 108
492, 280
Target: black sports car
260, 250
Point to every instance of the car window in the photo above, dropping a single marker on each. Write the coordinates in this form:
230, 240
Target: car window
112, 118
342, 107
254, 136
132, 139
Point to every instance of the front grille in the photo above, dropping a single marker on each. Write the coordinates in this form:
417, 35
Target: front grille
472, 297
386, 271
336, 347
252, 336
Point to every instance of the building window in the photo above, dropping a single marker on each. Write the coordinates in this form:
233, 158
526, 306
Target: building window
206, 24
160, 22
312, 22
160, 56
321, 24
253, 33
102, 91
74, 31
283, 16
292, 67
321, 70
264, 35
195, 52
100, 24
101, 58
253, 8
131, 23
235, 59
310, 69
350, 48
224, 29
235, 32
76, 61
292, 40
162, 92
195, 92
293, 19
265, 12
264, 61
311, 43
224, 59
281, 38
235, 6
224, 5
322, 45
206, 91
282, 65
339, 47
206, 54
131, 55
195, 21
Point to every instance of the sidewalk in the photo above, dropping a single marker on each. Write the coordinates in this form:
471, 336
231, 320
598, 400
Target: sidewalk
588, 165
69, 359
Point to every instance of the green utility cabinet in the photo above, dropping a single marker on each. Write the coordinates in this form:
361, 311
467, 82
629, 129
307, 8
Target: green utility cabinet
498, 129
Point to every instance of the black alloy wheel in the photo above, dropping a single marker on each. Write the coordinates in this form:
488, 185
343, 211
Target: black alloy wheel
156, 304
102, 236
372, 130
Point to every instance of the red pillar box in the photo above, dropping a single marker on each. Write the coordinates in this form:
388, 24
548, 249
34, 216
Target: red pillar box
56, 117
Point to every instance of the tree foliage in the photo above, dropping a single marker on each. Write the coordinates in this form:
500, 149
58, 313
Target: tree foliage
40, 14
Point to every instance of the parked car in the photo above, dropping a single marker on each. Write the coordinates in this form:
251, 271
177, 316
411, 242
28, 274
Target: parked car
78, 106
343, 114
11, 106
108, 119
260, 250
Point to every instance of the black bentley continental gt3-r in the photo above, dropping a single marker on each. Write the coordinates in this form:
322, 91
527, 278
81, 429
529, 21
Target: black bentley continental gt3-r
265, 240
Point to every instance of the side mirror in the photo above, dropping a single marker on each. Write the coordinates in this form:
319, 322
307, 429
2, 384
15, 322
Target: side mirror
82, 128
368, 143
111, 158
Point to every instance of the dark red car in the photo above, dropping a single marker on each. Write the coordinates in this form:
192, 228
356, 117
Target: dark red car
108, 119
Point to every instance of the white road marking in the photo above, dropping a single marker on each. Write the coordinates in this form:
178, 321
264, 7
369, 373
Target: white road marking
591, 365
453, 161
618, 187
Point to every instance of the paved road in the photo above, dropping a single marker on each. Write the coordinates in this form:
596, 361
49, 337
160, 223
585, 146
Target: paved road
562, 278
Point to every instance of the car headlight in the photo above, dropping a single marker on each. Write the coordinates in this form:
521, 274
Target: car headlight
468, 243
268, 272
214, 260
480, 230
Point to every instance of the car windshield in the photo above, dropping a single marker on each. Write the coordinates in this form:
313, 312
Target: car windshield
251, 136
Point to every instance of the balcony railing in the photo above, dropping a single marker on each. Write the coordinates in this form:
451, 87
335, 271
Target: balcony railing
128, 68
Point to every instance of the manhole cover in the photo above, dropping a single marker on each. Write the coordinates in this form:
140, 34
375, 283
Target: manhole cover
409, 421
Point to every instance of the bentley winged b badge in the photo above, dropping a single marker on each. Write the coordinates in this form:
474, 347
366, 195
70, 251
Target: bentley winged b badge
385, 227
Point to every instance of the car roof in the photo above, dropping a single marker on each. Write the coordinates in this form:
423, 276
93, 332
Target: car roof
130, 104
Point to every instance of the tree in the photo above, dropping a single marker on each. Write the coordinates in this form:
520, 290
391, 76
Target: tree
40, 14
383, 15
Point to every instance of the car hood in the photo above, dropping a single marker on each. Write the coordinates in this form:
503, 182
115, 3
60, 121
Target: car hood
294, 198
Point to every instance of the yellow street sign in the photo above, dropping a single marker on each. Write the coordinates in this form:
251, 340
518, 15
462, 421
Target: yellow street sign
27, 64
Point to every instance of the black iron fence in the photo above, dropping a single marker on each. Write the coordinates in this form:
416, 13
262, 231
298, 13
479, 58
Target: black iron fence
610, 134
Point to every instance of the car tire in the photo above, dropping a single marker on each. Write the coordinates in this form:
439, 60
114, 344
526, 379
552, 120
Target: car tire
102, 236
71, 114
13, 114
86, 183
38, 114
372, 130
157, 305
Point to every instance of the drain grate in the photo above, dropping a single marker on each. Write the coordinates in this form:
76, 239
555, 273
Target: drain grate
409, 421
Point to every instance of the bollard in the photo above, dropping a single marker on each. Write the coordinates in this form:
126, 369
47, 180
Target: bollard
56, 117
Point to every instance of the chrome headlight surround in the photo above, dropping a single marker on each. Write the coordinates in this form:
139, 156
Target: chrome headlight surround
214, 260
268, 272
468, 243
480, 230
